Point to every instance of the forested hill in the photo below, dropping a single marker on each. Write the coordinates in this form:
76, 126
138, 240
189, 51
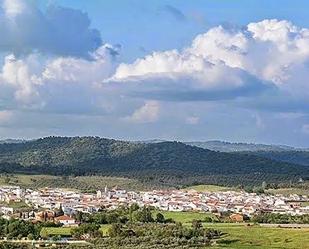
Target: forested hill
280, 153
222, 146
166, 162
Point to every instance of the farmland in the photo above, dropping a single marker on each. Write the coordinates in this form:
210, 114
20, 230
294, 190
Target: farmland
188, 217
240, 236
84, 183
209, 188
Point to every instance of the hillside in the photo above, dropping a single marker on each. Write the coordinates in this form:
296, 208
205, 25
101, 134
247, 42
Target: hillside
222, 146
165, 163
297, 157
280, 153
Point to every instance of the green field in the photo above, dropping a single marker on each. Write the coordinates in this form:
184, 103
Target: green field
236, 236
52, 231
187, 217
288, 191
209, 188
66, 231
104, 229
239, 236
85, 183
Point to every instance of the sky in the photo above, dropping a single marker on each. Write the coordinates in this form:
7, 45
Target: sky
232, 70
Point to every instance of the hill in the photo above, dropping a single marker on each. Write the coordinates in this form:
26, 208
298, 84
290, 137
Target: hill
222, 146
297, 157
162, 163
280, 153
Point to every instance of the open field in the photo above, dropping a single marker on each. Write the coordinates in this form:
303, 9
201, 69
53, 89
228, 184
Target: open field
187, 217
104, 229
209, 188
236, 236
52, 231
288, 191
85, 183
239, 236
66, 231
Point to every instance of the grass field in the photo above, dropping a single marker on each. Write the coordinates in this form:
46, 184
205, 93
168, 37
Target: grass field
52, 231
209, 188
288, 191
187, 217
104, 229
239, 236
66, 231
236, 236
85, 183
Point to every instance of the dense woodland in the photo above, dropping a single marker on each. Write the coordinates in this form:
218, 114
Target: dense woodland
165, 163
275, 152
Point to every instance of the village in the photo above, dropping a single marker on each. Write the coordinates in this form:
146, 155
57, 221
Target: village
59, 205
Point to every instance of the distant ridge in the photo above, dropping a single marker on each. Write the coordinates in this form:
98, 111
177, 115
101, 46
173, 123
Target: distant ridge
12, 141
165, 163
222, 146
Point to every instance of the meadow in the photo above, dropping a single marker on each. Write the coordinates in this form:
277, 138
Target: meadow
209, 188
83, 183
288, 191
66, 231
241, 236
188, 217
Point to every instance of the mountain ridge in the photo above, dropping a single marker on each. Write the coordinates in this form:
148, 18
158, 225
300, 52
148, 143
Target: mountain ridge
171, 163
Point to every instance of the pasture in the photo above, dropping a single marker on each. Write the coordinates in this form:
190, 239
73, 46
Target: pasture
240, 236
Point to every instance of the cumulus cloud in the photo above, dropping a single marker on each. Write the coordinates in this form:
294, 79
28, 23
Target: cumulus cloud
192, 120
148, 113
62, 31
60, 84
305, 129
5, 116
264, 67
265, 62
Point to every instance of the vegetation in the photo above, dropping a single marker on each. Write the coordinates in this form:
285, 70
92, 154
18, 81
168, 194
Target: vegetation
84, 183
209, 188
289, 191
281, 218
297, 157
239, 147
55, 231
238, 236
188, 217
160, 164
17, 229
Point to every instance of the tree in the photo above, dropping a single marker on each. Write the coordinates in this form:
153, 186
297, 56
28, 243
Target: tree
160, 218
143, 215
197, 228
7, 180
115, 230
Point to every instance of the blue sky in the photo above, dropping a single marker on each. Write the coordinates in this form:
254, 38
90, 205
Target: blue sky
179, 70
150, 25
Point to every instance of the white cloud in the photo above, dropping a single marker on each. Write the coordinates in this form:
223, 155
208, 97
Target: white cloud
268, 58
305, 129
5, 116
36, 82
12, 8
25, 28
193, 120
148, 113
263, 66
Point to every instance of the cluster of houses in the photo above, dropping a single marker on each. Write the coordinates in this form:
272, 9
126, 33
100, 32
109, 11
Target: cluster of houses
59, 205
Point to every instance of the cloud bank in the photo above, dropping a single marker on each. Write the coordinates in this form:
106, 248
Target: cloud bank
53, 63
63, 31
